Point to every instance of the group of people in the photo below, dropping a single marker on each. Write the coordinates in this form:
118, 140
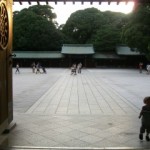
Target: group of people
141, 68
36, 68
76, 68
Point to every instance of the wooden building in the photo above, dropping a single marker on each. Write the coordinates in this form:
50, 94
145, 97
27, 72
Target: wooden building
84, 53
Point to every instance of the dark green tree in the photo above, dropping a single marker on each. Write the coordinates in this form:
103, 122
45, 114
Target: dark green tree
109, 35
106, 38
82, 24
93, 26
44, 11
136, 33
34, 30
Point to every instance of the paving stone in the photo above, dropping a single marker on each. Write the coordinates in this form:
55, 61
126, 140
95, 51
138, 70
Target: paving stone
98, 108
90, 139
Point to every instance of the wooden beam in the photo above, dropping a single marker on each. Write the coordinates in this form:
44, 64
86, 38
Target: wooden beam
38, 2
126, 2
29, 2
118, 1
82, 1
20, 2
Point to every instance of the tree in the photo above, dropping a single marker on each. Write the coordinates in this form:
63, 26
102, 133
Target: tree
93, 26
34, 30
106, 38
136, 33
82, 24
44, 11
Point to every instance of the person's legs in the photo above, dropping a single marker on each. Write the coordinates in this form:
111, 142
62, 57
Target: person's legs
17, 70
37, 71
72, 71
142, 130
140, 69
79, 70
75, 72
147, 133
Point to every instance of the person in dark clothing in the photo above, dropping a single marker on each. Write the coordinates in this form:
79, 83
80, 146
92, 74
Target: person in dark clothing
145, 121
44, 70
38, 68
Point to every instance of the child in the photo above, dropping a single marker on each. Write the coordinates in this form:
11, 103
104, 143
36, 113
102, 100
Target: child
73, 69
145, 114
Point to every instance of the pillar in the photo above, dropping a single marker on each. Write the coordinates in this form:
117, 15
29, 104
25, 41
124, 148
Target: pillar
6, 102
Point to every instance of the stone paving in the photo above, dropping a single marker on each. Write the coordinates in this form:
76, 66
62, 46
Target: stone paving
98, 108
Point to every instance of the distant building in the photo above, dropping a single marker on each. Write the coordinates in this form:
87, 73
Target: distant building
84, 53
76, 53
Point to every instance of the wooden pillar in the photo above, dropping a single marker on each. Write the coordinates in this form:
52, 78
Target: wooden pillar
6, 102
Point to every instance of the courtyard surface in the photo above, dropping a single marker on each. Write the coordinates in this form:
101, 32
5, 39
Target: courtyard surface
98, 108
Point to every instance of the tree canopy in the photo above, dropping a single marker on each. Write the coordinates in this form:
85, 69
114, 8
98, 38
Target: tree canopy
34, 29
96, 27
136, 32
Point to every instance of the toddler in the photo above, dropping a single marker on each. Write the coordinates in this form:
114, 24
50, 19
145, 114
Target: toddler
145, 121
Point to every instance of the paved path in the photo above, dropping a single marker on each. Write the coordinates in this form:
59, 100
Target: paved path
98, 108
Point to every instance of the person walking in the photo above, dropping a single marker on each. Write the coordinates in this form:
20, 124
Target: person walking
140, 67
44, 70
38, 68
148, 68
79, 67
17, 68
33, 67
145, 121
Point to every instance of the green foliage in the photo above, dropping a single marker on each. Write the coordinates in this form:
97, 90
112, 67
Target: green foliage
82, 24
93, 26
106, 38
44, 11
136, 33
34, 30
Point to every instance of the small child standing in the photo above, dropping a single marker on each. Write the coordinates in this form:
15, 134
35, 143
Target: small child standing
145, 121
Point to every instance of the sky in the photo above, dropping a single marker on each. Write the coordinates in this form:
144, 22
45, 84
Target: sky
63, 11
